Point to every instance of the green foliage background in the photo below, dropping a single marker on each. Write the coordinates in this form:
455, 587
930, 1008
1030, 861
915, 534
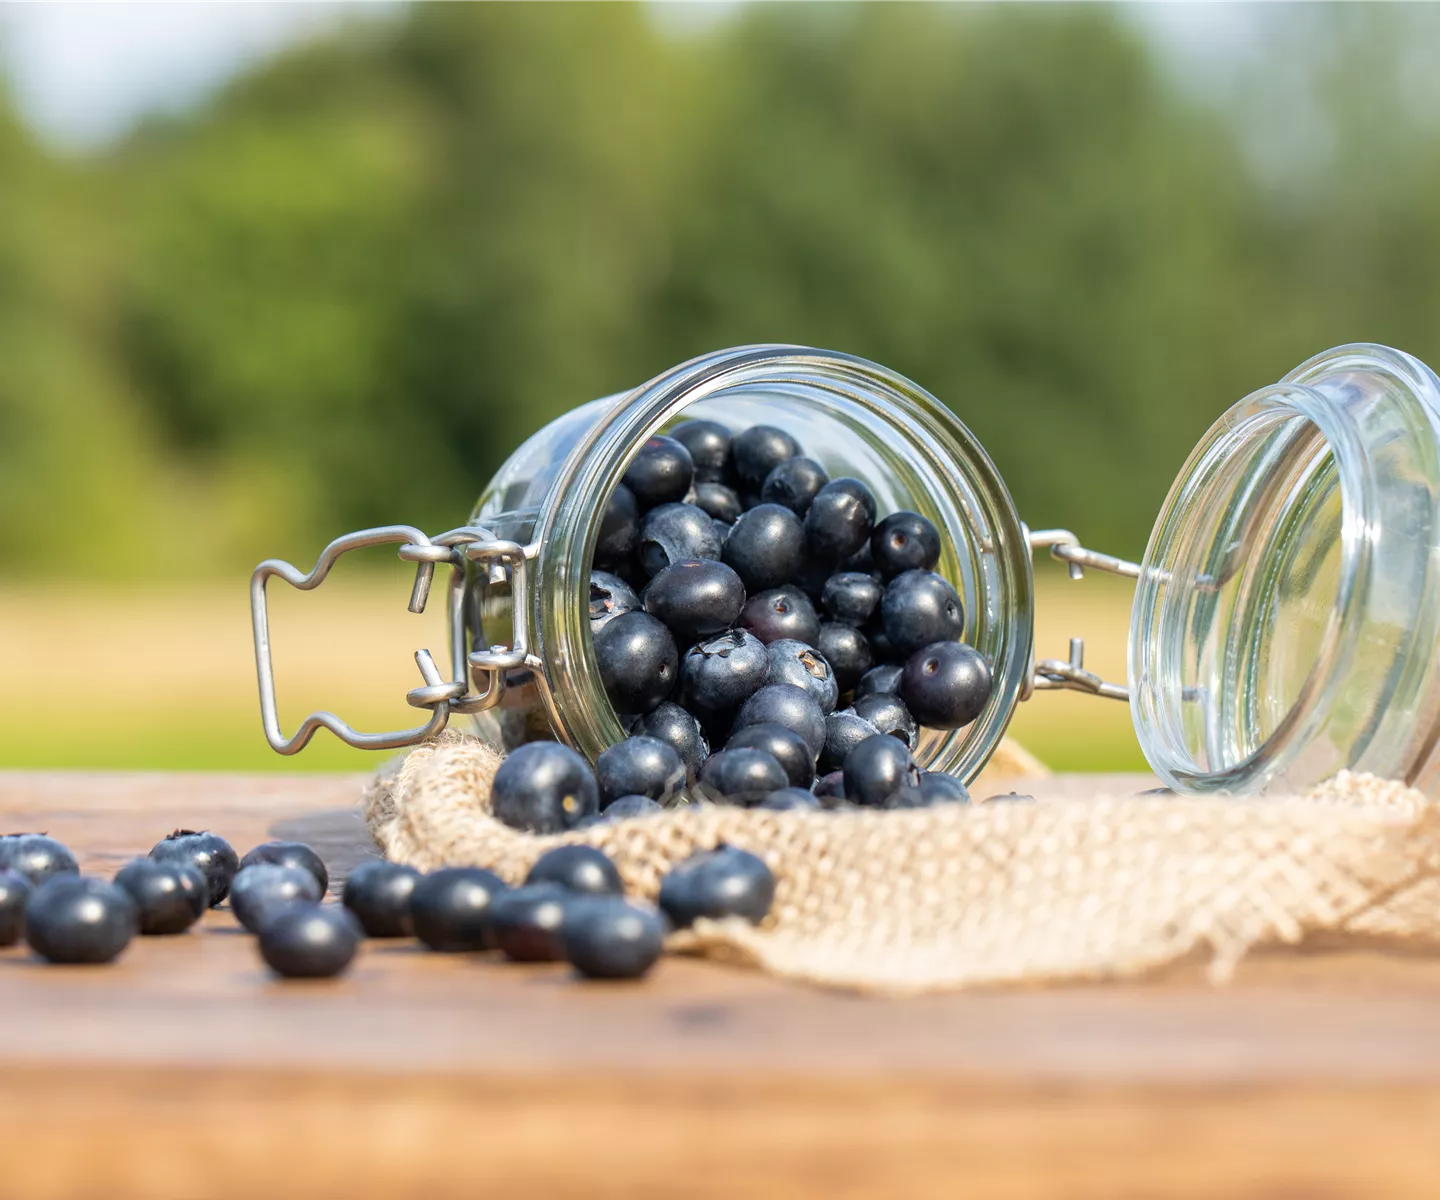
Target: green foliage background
340, 292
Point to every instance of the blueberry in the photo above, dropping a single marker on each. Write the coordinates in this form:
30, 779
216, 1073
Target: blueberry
577, 869
290, 854
675, 533
862, 562
794, 484
450, 908
847, 650
1009, 798
920, 607
611, 938
878, 768
804, 667
379, 893
529, 922
759, 450
261, 890
720, 674
709, 445
940, 788
812, 577
76, 919
621, 809
830, 789
14, 892
638, 661
680, 731
695, 599
169, 896
660, 473
309, 941
741, 777
790, 798
785, 746
726, 882
884, 678
851, 598
905, 541
544, 787
853, 487
639, 766
619, 528
888, 714
881, 651
720, 502
722, 534
836, 524
843, 732
945, 685
36, 856
212, 854
789, 706
610, 597
783, 612
766, 547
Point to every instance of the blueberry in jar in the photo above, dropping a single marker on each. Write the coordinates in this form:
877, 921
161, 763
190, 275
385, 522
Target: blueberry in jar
856, 488
529, 922
725, 882
260, 891
169, 896
378, 893
211, 854
719, 502
709, 445
837, 523
785, 705
759, 450
830, 789
14, 892
843, 732
851, 598
919, 608
611, 938
904, 541
639, 766
884, 678
638, 662
794, 483
674, 533
610, 597
785, 746
766, 547
622, 809
790, 799
660, 473
783, 612
450, 908
878, 768
847, 650
803, 666
36, 856
619, 528
309, 941
740, 777
945, 685
76, 919
887, 712
695, 599
881, 651
289, 854
679, 730
582, 869
544, 787
940, 788
718, 675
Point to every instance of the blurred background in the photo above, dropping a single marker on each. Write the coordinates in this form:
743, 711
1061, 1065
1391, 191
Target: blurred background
272, 272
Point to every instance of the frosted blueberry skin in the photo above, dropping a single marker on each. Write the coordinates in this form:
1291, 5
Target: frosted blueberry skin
379, 894
720, 674
209, 852
581, 869
726, 882
848, 652
918, 609
709, 445
544, 787
759, 450
36, 856
884, 678
851, 598
838, 521
785, 705
720, 502
169, 896
766, 547
802, 666
742, 777
680, 730
887, 712
529, 922
310, 941
622, 809
76, 919
611, 938
610, 597
289, 854
619, 528
660, 473
674, 533
639, 766
843, 732
695, 599
637, 660
878, 768
946, 685
904, 541
451, 908
262, 889
794, 483
790, 799
781, 613
785, 746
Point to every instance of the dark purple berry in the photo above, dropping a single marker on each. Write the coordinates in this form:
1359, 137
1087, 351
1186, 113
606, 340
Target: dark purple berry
639, 766
290, 854
261, 890
660, 473
766, 547
169, 896
905, 541
789, 706
675, 533
726, 882
783, 612
529, 922
940, 788
741, 777
638, 661
843, 732
847, 650
884, 678
76, 919
759, 450
791, 798
581, 869
794, 484
450, 908
836, 524
851, 598
610, 597
310, 941
717, 676
611, 938
1010, 798
14, 892
804, 667
785, 746
621, 809
830, 789
866, 497
680, 731
709, 445
695, 599
863, 562
544, 787
719, 501
887, 712
379, 894
211, 854
945, 685
812, 577
36, 856
878, 768
881, 651
919, 608
619, 528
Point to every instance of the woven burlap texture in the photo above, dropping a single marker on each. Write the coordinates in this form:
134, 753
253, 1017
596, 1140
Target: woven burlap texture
996, 893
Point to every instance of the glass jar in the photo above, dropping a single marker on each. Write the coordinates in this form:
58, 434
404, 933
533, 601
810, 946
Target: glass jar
1283, 614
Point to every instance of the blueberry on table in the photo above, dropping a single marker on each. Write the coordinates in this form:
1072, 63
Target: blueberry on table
709, 445
837, 523
766, 547
904, 541
76, 919
759, 450
610, 938
785, 705
695, 599
36, 856
887, 712
878, 768
740, 777
720, 674
794, 483
785, 746
847, 650
679, 730
544, 787
14, 892
919, 608
169, 896
851, 598
802, 666
261, 890
789, 799
639, 766
610, 597
450, 908
1009, 798
720, 502
783, 612
621, 809
843, 732
309, 941
289, 854
582, 869
945, 685
378, 892
726, 882
884, 678
529, 922
674, 533
637, 660
660, 473
209, 852
619, 528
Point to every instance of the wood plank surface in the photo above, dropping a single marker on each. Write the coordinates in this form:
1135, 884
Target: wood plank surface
186, 1070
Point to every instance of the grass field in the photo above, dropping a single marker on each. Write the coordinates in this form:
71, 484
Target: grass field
164, 678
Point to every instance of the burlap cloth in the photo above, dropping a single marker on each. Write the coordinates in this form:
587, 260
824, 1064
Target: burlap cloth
994, 893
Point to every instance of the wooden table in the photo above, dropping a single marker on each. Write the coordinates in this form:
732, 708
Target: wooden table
185, 1070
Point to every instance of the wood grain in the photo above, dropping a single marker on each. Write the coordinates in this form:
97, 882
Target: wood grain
185, 1070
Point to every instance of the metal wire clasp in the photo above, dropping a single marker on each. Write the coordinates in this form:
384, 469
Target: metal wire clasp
442, 697
1056, 673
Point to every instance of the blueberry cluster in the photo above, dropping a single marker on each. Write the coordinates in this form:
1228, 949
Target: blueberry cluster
742, 599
